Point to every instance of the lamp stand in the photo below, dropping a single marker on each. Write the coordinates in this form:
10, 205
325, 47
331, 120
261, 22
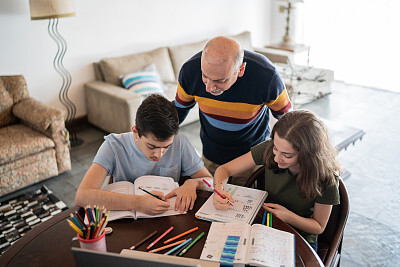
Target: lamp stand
286, 38
66, 79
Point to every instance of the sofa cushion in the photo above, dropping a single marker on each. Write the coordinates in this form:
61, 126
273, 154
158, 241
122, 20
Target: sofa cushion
114, 68
244, 39
12, 90
144, 82
18, 141
181, 53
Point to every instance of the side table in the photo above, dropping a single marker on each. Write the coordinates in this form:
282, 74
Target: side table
292, 49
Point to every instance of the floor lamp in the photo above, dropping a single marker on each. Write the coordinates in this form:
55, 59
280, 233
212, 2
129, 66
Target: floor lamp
53, 10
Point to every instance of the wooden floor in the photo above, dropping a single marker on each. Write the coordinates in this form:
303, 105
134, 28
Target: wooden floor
372, 235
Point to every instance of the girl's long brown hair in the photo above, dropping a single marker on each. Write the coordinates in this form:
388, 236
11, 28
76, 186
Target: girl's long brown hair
317, 157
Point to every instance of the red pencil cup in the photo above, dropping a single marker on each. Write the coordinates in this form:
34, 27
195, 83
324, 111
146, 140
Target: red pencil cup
98, 243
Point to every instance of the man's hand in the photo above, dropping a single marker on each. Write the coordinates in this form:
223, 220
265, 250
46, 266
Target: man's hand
185, 195
222, 203
151, 205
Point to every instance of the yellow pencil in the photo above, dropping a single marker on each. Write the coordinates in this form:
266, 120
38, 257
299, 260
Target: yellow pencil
268, 219
76, 229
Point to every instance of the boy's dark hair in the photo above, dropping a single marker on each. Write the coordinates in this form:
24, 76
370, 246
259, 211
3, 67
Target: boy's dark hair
157, 115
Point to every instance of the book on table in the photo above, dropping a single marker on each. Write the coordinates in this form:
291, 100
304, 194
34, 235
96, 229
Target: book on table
247, 203
149, 183
259, 245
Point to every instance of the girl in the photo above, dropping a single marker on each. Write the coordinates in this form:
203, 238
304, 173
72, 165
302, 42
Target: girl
301, 173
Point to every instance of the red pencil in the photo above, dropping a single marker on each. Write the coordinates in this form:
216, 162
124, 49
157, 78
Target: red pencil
161, 236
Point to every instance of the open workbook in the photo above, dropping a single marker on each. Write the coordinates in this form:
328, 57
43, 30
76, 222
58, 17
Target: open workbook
247, 203
259, 245
149, 183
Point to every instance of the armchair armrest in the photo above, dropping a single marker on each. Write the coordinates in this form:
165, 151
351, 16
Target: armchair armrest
49, 121
110, 107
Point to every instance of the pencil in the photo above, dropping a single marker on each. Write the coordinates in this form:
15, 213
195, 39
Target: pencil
191, 244
143, 240
268, 219
75, 228
167, 246
215, 190
79, 218
178, 236
77, 223
178, 247
264, 216
141, 188
161, 236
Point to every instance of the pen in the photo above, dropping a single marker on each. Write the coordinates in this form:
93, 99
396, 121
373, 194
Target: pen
161, 236
180, 235
143, 240
265, 215
191, 244
141, 188
215, 190
167, 246
178, 247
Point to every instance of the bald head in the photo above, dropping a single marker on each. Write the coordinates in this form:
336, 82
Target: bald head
223, 50
221, 64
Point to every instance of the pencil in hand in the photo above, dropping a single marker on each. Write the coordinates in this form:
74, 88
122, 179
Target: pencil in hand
215, 190
144, 190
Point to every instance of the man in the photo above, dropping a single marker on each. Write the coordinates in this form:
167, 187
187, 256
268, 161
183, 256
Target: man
154, 147
235, 89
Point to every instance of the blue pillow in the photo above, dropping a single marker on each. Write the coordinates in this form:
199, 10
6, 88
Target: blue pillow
144, 82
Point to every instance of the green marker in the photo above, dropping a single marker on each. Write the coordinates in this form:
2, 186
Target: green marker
191, 244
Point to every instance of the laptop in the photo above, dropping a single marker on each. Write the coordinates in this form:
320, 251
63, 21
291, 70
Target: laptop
85, 258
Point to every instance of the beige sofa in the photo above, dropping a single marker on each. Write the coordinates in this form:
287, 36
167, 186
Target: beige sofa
33, 138
113, 108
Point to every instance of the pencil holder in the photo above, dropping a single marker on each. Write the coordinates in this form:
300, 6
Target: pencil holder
98, 243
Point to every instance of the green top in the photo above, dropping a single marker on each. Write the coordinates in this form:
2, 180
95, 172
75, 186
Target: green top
283, 190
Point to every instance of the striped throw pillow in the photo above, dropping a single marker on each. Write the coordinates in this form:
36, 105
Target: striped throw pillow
144, 82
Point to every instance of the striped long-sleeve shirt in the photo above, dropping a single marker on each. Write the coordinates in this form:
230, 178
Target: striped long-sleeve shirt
238, 119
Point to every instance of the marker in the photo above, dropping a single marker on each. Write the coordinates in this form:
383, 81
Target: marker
191, 244
161, 236
143, 240
180, 235
215, 190
141, 188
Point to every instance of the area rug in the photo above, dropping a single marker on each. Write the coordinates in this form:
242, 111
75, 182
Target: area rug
23, 212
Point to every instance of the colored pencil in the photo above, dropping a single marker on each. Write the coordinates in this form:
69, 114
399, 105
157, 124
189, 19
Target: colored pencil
191, 244
180, 235
161, 236
75, 228
178, 247
167, 246
268, 219
143, 240
144, 190
215, 190
264, 216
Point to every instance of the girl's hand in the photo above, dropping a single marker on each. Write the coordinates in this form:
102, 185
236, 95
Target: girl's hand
278, 210
222, 203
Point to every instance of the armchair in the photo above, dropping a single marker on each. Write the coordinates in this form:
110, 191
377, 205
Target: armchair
33, 138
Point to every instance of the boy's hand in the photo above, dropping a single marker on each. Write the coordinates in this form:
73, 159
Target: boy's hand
151, 205
185, 195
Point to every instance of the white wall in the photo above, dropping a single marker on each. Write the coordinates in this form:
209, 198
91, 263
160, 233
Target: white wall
105, 28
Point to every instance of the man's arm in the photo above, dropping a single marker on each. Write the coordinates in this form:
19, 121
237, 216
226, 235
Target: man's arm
89, 192
183, 103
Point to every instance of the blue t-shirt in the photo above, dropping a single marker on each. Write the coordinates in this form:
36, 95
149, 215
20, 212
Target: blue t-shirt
120, 156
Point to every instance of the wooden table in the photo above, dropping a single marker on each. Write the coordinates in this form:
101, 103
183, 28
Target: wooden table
49, 244
292, 48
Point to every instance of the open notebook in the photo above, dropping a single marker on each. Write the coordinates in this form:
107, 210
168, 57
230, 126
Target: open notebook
148, 182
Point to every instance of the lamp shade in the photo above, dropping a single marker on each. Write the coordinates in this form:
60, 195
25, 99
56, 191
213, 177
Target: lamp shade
48, 9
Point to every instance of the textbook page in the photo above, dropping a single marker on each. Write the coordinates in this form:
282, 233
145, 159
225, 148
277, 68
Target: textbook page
270, 247
157, 183
247, 203
122, 187
216, 239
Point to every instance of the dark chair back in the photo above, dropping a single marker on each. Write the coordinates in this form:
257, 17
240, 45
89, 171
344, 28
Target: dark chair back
330, 241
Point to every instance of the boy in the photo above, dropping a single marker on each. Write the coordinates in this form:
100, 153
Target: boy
154, 147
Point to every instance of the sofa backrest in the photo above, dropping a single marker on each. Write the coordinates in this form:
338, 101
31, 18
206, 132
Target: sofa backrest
13, 89
168, 60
